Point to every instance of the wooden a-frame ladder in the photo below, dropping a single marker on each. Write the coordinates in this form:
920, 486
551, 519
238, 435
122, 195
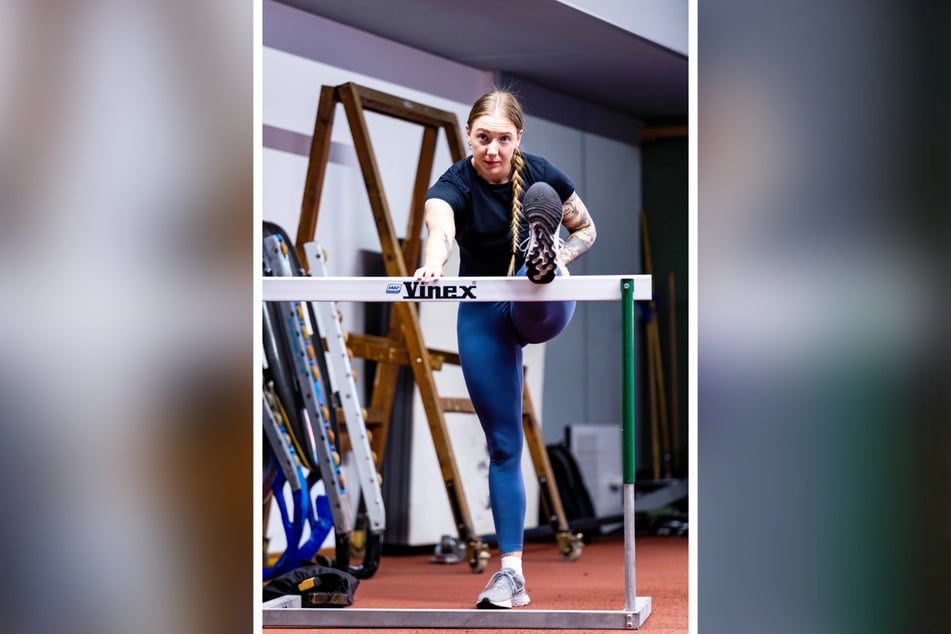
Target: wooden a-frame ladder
404, 345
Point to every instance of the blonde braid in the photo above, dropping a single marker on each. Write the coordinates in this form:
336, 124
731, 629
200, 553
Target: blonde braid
517, 189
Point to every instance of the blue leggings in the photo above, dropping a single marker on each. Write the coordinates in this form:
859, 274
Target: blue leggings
491, 338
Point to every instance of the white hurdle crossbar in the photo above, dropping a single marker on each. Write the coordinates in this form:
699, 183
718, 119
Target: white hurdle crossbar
624, 288
452, 289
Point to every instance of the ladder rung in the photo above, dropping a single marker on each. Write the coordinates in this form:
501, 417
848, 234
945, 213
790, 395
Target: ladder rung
382, 349
374, 417
457, 405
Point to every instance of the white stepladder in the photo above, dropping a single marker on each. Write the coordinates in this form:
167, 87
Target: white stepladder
345, 393
285, 612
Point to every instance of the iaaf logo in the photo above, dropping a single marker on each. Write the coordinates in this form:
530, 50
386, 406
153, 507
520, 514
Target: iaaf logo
415, 290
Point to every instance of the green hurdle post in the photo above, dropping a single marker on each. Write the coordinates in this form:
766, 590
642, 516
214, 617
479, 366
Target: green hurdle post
627, 436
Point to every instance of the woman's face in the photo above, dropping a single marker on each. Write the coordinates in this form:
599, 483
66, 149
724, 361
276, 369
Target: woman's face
494, 139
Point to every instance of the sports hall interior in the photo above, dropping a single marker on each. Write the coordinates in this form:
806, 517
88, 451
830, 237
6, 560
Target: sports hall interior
604, 86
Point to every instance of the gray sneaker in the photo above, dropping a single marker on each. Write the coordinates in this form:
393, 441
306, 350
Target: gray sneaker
506, 589
543, 210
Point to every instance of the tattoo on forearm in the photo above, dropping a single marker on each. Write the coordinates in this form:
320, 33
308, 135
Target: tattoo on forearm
576, 245
573, 215
582, 232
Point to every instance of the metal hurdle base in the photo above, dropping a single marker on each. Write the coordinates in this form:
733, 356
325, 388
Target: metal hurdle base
286, 615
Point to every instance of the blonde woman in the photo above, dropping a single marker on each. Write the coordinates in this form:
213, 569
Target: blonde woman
504, 209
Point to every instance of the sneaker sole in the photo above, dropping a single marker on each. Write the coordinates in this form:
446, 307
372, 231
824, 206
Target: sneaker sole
543, 210
541, 260
517, 602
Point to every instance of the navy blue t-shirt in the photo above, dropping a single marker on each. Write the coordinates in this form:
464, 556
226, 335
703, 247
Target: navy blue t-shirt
483, 212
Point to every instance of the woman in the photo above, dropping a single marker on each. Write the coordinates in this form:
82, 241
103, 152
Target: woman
503, 208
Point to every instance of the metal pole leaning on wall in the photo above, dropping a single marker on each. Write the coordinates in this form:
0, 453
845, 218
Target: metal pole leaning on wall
627, 289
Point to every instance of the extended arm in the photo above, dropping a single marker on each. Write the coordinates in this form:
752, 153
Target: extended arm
441, 225
581, 230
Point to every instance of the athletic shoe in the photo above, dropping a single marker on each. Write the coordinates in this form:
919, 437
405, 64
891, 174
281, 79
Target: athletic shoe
542, 207
506, 589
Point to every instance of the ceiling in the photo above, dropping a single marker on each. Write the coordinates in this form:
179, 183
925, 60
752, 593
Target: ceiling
541, 41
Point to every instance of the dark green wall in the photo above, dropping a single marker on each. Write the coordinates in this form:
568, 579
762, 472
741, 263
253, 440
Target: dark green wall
665, 188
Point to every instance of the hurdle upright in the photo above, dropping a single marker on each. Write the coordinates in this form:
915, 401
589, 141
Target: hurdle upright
627, 289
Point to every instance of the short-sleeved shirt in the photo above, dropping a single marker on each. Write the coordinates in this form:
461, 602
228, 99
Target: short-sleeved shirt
483, 212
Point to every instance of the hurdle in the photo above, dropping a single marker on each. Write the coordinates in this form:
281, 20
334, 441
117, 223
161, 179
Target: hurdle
623, 288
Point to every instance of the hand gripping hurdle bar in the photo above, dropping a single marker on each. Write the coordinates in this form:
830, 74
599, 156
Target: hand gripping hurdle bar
286, 612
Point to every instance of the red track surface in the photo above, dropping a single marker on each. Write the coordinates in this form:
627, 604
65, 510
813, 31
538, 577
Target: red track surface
593, 582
